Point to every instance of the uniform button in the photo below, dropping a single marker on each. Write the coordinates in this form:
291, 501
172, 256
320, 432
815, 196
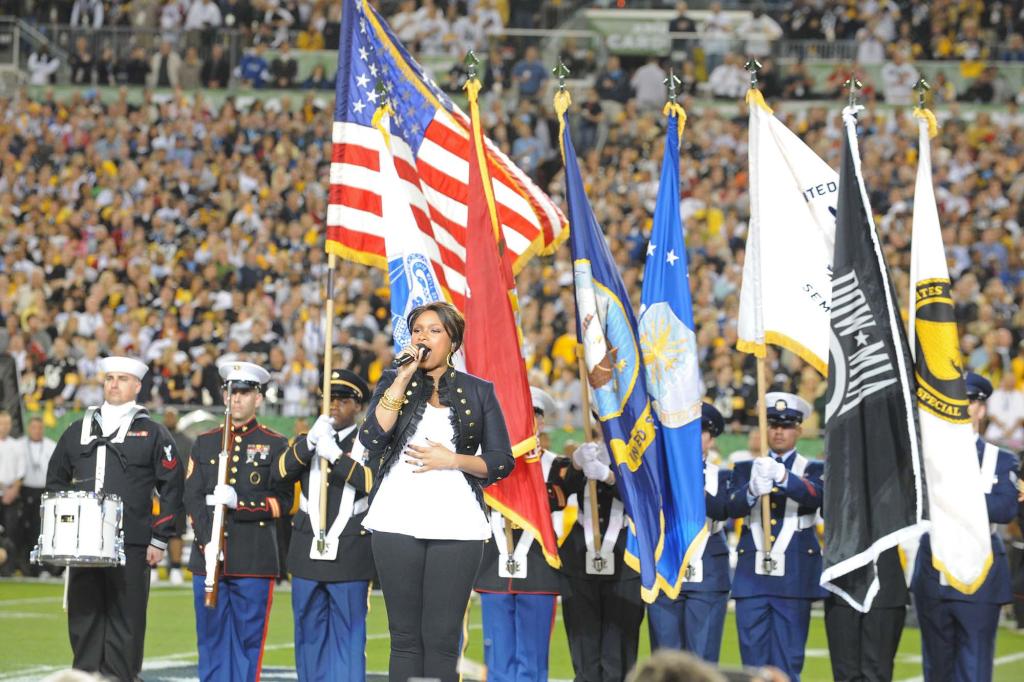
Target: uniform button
458, 390
238, 439
235, 458
231, 481
774, 521
773, 538
775, 505
213, 461
469, 412
237, 448
741, 551
810, 551
472, 424
463, 401
775, 490
374, 441
413, 384
262, 523
501, 467
362, 532
234, 470
409, 392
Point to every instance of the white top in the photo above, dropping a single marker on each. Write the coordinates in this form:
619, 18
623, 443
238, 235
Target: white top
13, 460
39, 453
435, 505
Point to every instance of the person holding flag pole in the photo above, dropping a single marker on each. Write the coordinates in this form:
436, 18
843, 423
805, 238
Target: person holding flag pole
785, 303
961, 576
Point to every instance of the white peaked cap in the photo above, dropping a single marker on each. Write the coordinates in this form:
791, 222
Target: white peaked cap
123, 365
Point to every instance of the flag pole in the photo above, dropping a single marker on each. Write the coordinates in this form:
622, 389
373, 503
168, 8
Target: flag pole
753, 66
762, 430
321, 540
595, 519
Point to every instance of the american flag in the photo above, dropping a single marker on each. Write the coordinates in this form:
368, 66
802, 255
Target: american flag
430, 146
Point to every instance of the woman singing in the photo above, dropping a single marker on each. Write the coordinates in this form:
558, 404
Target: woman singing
435, 437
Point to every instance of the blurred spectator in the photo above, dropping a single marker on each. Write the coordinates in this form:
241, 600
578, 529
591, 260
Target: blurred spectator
591, 118
983, 89
283, 68
898, 79
490, 18
716, 36
134, 70
42, 67
203, 15
13, 466
681, 23
312, 37
797, 83
318, 79
648, 82
404, 24
38, 450
760, 31
1014, 49
729, 80
237, 14
216, 71
164, 67
10, 395
613, 82
530, 73
189, 73
106, 67
87, 13
81, 62
252, 69
870, 49
1006, 414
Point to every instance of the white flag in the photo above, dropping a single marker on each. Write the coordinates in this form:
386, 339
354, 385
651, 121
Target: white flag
787, 271
961, 548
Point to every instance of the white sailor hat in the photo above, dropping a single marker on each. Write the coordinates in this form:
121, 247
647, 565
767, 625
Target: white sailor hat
243, 374
123, 365
786, 408
543, 402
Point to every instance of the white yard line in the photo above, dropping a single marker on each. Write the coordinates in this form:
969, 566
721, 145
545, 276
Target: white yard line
1001, 660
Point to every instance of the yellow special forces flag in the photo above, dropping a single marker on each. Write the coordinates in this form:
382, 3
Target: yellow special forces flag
961, 548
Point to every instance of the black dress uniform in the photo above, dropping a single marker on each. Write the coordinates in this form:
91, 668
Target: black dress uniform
231, 635
329, 595
862, 646
518, 611
107, 606
602, 612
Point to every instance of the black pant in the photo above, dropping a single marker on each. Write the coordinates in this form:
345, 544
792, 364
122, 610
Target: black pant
29, 532
602, 623
10, 519
862, 646
1016, 556
426, 585
107, 616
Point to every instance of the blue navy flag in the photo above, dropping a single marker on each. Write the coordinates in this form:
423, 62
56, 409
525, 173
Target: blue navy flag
669, 347
606, 328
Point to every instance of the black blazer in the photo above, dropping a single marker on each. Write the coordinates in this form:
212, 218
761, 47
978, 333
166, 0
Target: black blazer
476, 419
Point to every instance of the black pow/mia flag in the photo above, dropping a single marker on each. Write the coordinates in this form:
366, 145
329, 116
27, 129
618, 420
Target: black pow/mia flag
874, 494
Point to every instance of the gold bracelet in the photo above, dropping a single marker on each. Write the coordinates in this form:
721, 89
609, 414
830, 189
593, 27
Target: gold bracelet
390, 403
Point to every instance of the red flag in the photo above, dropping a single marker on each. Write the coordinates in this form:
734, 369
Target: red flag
493, 352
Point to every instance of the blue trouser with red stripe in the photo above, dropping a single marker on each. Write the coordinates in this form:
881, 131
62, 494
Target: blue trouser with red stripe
517, 635
231, 635
330, 629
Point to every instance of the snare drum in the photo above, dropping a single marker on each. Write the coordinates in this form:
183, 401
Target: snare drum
80, 529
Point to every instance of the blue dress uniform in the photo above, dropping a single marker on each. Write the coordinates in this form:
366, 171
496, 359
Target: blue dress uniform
231, 635
773, 602
958, 631
695, 620
519, 605
330, 594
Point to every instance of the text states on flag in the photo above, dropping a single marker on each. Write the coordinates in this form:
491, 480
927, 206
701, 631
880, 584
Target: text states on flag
784, 300
959, 537
874, 497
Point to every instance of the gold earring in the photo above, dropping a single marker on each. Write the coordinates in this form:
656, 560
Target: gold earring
450, 363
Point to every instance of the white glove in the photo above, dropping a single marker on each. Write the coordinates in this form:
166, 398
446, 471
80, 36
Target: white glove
226, 495
322, 428
329, 449
588, 452
760, 485
769, 468
596, 470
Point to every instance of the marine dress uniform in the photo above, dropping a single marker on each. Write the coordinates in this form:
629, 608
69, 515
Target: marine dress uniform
601, 602
518, 589
774, 596
958, 631
231, 635
330, 589
117, 449
695, 620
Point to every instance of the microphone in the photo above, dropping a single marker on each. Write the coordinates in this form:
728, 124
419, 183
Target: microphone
405, 358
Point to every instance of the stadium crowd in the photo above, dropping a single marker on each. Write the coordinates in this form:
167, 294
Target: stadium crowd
177, 231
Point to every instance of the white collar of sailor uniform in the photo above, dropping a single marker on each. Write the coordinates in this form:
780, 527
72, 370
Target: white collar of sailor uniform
111, 415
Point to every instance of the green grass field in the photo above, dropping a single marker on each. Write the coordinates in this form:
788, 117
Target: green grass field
35, 643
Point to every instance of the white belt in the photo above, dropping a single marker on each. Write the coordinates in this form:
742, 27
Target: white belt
358, 507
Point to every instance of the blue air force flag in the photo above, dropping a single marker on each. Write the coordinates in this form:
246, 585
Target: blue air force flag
669, 347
